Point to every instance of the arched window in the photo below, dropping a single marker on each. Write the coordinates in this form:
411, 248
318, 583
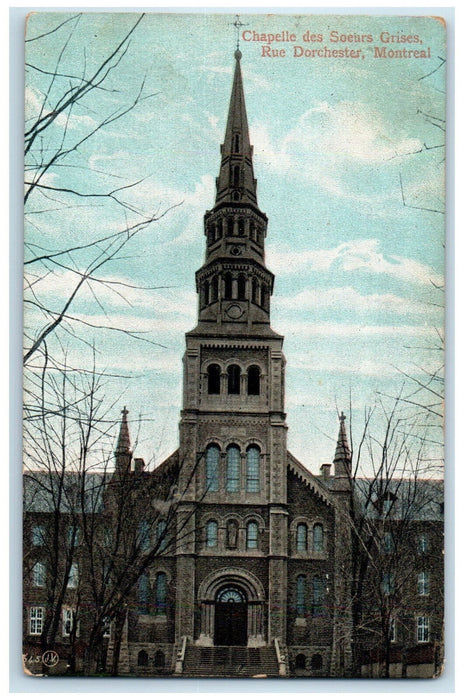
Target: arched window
252, 535
161, 538
214, 379
252, 469
423, 583
38, 574
241, 227
230, 226
211, 533
160, 593
233, 382
301, 595
316, 662
228, 286
233, 469
143, 594
205, 293
301, 537
252, 230
214, 289
142, 658
212, 467
255, 290
264, 297
211, 234
300, 661
388, 543
241, 287
236, 143
144, 535
236, 175
318, 596
318, 538
160, 659
253, 380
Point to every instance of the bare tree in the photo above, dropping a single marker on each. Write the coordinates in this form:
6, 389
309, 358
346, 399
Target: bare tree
396, 500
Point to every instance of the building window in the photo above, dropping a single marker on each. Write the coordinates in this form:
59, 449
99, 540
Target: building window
160, 593
214, 379
36, 618
233, 379
252, 469
236, 175
300, 662
241, 232
160, 659
253, 376
206, 293
255, 290
301, 595
423, 630
233, 469
38, 574
316, 662
392, 635
107, 536
241, 287
423, 543
142, 658
212, 467
230, 232
214, 289
318, 538
211, 533
387, 584
74, 534
423, 583
106, 623
388, 544
73, 578
38, 535
252, 535
68, 618
161, 535
143, 594
318, 596
144, 535
301, 537
236, 143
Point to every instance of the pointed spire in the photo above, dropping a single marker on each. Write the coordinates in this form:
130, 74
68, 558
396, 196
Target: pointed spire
236, 182
342, 451
123, 446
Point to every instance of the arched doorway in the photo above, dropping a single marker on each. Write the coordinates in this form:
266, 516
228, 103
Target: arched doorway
230, 617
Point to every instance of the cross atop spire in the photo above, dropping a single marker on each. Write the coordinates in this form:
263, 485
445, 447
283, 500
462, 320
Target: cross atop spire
238, 24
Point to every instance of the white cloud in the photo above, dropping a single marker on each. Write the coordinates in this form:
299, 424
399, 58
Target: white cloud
353, 330
352, 300
361, 255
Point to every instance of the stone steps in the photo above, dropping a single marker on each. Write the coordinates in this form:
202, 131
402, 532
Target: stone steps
238, 662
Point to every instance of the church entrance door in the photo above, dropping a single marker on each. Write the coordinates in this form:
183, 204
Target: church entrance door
230, 615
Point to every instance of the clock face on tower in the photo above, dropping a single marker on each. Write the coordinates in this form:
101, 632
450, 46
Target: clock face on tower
234, 311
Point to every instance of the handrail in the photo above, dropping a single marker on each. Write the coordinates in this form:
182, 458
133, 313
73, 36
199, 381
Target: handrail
281, 659
180, 657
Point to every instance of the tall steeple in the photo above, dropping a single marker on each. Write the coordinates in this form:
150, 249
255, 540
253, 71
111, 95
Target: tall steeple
236, 182
234, 284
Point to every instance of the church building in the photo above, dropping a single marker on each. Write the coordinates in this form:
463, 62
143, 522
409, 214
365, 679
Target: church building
255, 578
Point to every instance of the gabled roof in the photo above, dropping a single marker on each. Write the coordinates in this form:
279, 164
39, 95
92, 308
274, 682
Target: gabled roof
411, 499
295, 467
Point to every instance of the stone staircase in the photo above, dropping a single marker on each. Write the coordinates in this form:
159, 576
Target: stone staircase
236, 662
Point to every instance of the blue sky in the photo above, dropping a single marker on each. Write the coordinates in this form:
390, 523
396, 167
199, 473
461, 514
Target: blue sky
333, 141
